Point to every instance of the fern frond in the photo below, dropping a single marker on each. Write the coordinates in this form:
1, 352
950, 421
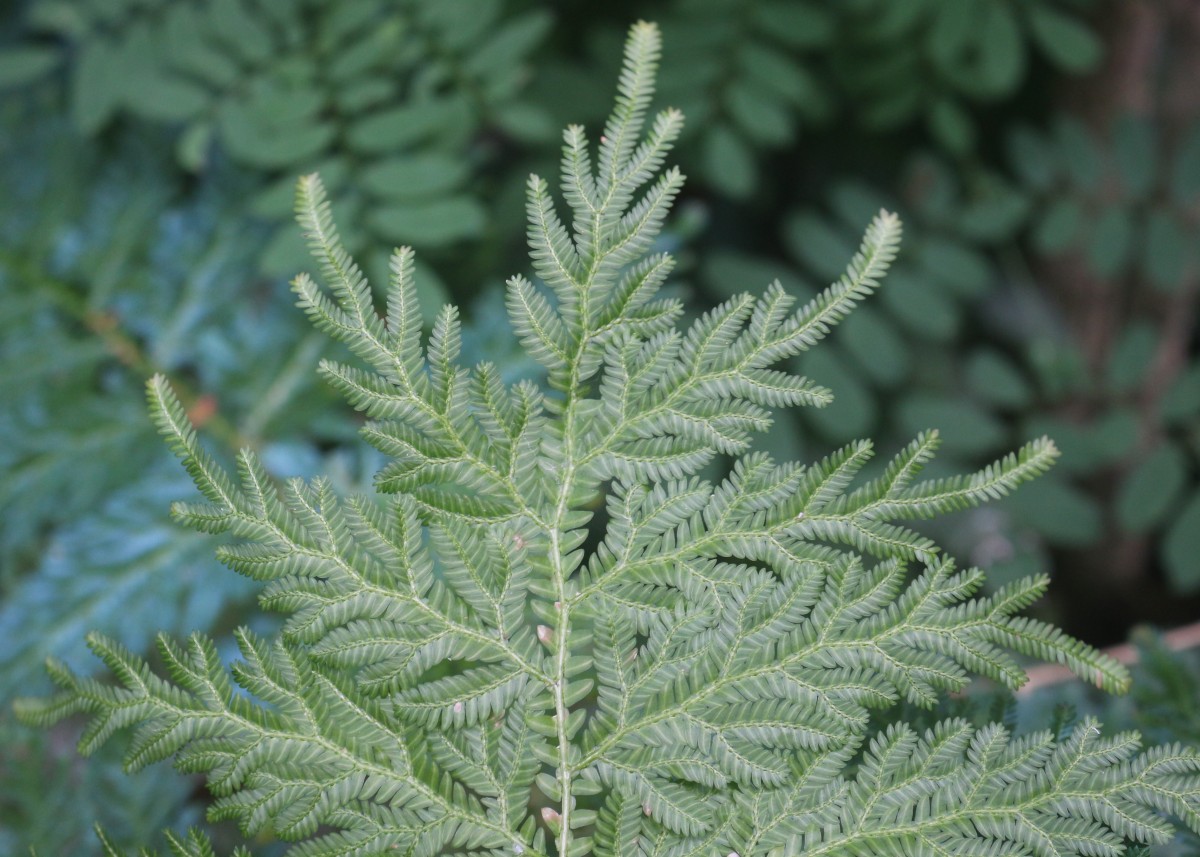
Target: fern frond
705, 657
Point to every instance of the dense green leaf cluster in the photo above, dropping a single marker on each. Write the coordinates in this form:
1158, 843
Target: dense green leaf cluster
477, 661
386, 99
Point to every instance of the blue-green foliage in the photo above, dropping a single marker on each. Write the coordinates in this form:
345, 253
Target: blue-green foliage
463, 667
387, 99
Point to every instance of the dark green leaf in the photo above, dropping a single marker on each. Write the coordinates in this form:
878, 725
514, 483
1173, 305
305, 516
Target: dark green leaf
431, 224
1181, 402
995, 378
1032, 158
853, 410
1181, 548
817, 244
22, 66
1166, 252
729, 163
1131, 356
1135, 152
871, 338
951, 126
1062, 513
1185, 169
923, 310
964, 427
1058, 225
1065, 40
1077, 151
1152, 488
413, 177
1111, 241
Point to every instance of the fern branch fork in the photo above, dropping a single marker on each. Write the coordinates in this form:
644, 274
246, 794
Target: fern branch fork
470, 664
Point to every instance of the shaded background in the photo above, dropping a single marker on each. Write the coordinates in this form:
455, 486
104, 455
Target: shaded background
1044, 154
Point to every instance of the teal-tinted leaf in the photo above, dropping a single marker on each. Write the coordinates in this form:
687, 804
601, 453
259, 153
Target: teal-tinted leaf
96, 92
1032, 158
763, 119
853, 410
954, 265
918, 306
1185, 169
413, 177
726, 274
1181, 548
798, 25
191, 150
1001, 50
389, 131
1077, 443
778, 73
1181, 402
1062, 513
1111, 241
431, 224
1135, 152
977, 45
166, 98
871, 338
1077, 151
233, 23
951, 126
253, 139
1152, 488
1057, 225
1131, 356
729, 163
285, 246
21, 66
964, 427
996, 379
856, 202
1066, 41
1115, 434
818, 245
527, 122
994, 214
508, 45
1166, 252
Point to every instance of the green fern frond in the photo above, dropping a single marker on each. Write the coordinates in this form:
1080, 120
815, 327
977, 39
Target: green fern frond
469, 658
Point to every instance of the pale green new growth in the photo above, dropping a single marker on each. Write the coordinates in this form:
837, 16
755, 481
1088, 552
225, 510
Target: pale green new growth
462, 670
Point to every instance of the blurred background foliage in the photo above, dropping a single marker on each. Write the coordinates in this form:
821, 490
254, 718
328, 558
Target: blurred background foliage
1045, 156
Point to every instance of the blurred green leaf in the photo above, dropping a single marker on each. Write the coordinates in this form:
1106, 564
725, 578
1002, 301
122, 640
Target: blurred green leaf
1135, 152
1110, 243
1166, 251
22, 66
952, 126
1151, 490
430, 224
1131, 356
964, 427
1185, 169
1032, 158
1181, 402
995, 378
1062, 513
853, 410
1078, 152
729, 163
817, 244
1057, 225
413, 177
920, 308
1064, 39
1181, 548
879, 351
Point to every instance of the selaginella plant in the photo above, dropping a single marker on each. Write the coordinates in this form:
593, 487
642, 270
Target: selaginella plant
480, 662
